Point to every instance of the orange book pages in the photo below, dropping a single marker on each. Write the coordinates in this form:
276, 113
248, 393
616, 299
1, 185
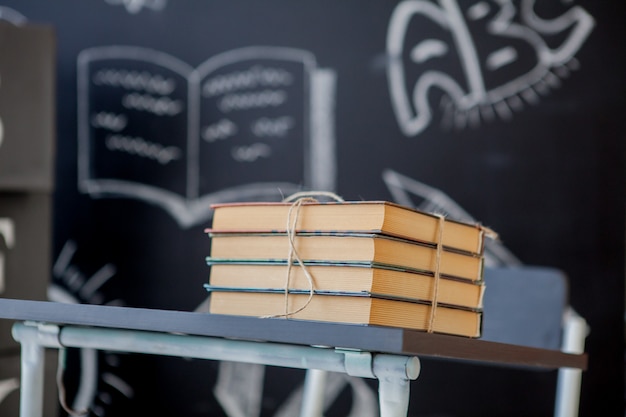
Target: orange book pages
357, 216
346, 248
383, 281
348, 309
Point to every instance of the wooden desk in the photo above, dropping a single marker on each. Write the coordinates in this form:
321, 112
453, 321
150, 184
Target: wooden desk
388, 354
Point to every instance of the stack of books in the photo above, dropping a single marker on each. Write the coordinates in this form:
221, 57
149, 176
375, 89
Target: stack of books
362, 262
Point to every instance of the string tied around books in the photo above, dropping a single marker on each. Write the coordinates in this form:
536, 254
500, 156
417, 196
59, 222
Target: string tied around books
436, 278
298, 199
433, 311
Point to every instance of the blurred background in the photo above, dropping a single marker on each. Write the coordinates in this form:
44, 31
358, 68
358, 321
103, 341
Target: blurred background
136, 115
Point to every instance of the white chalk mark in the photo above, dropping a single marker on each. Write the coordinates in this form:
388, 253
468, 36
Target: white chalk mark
251, 153
541, 87
160, 106
138, 81
97, 410
7, 386
135, 6
105, 397
13, 16
97, 280
487, 112
501, 58
473, 117
118, 384
111, 121
503, 110
239, 388
143, 148
255, 100
320, 164
272, 127
7, 233
552, 80
515, 103
530, 96
428, 49
220, 130
460, 120
254, 77
478, 11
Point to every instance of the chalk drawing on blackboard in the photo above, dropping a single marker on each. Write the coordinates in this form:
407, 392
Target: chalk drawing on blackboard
249, 123
7, 235
239, 389
99, 381
7, 386
413, 193
8, 14
135, 6
438, 48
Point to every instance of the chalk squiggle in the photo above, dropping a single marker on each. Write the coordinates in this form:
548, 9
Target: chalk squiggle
266, 98
220, 130
254, 77
135, 80
140, 147
110, 121
161, 106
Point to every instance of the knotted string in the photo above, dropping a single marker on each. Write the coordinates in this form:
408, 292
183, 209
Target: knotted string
311, 196
293, 214
433, 309
61, 386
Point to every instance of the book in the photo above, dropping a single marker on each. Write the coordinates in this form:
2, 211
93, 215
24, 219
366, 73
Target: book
350, 248
341, 277
356, 216
355, 308
154, 128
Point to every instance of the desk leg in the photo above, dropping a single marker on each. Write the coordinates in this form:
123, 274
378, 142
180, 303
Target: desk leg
394, 375
32, 374
569, 380
394, 396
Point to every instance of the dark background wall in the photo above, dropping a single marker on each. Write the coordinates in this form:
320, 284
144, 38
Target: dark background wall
519, 124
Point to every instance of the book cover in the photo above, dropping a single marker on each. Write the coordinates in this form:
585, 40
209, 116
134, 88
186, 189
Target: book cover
356, 308
345, 247
350, 216
347, 277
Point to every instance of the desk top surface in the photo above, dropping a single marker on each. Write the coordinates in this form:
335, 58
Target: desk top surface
367, 338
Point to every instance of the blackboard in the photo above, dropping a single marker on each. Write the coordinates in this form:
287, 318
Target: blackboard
505, 112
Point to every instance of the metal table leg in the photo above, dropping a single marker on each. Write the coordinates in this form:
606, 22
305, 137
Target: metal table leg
32, 368
394, 383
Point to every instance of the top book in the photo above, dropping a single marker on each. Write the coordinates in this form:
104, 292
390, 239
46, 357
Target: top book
355, 216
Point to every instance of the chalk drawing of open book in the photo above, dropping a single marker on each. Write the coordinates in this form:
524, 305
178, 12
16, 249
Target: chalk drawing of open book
249, 123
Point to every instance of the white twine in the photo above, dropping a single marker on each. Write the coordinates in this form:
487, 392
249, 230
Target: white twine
433, 309
299, 199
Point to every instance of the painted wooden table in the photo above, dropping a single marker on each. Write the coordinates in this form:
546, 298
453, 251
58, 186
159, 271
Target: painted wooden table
390, 355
